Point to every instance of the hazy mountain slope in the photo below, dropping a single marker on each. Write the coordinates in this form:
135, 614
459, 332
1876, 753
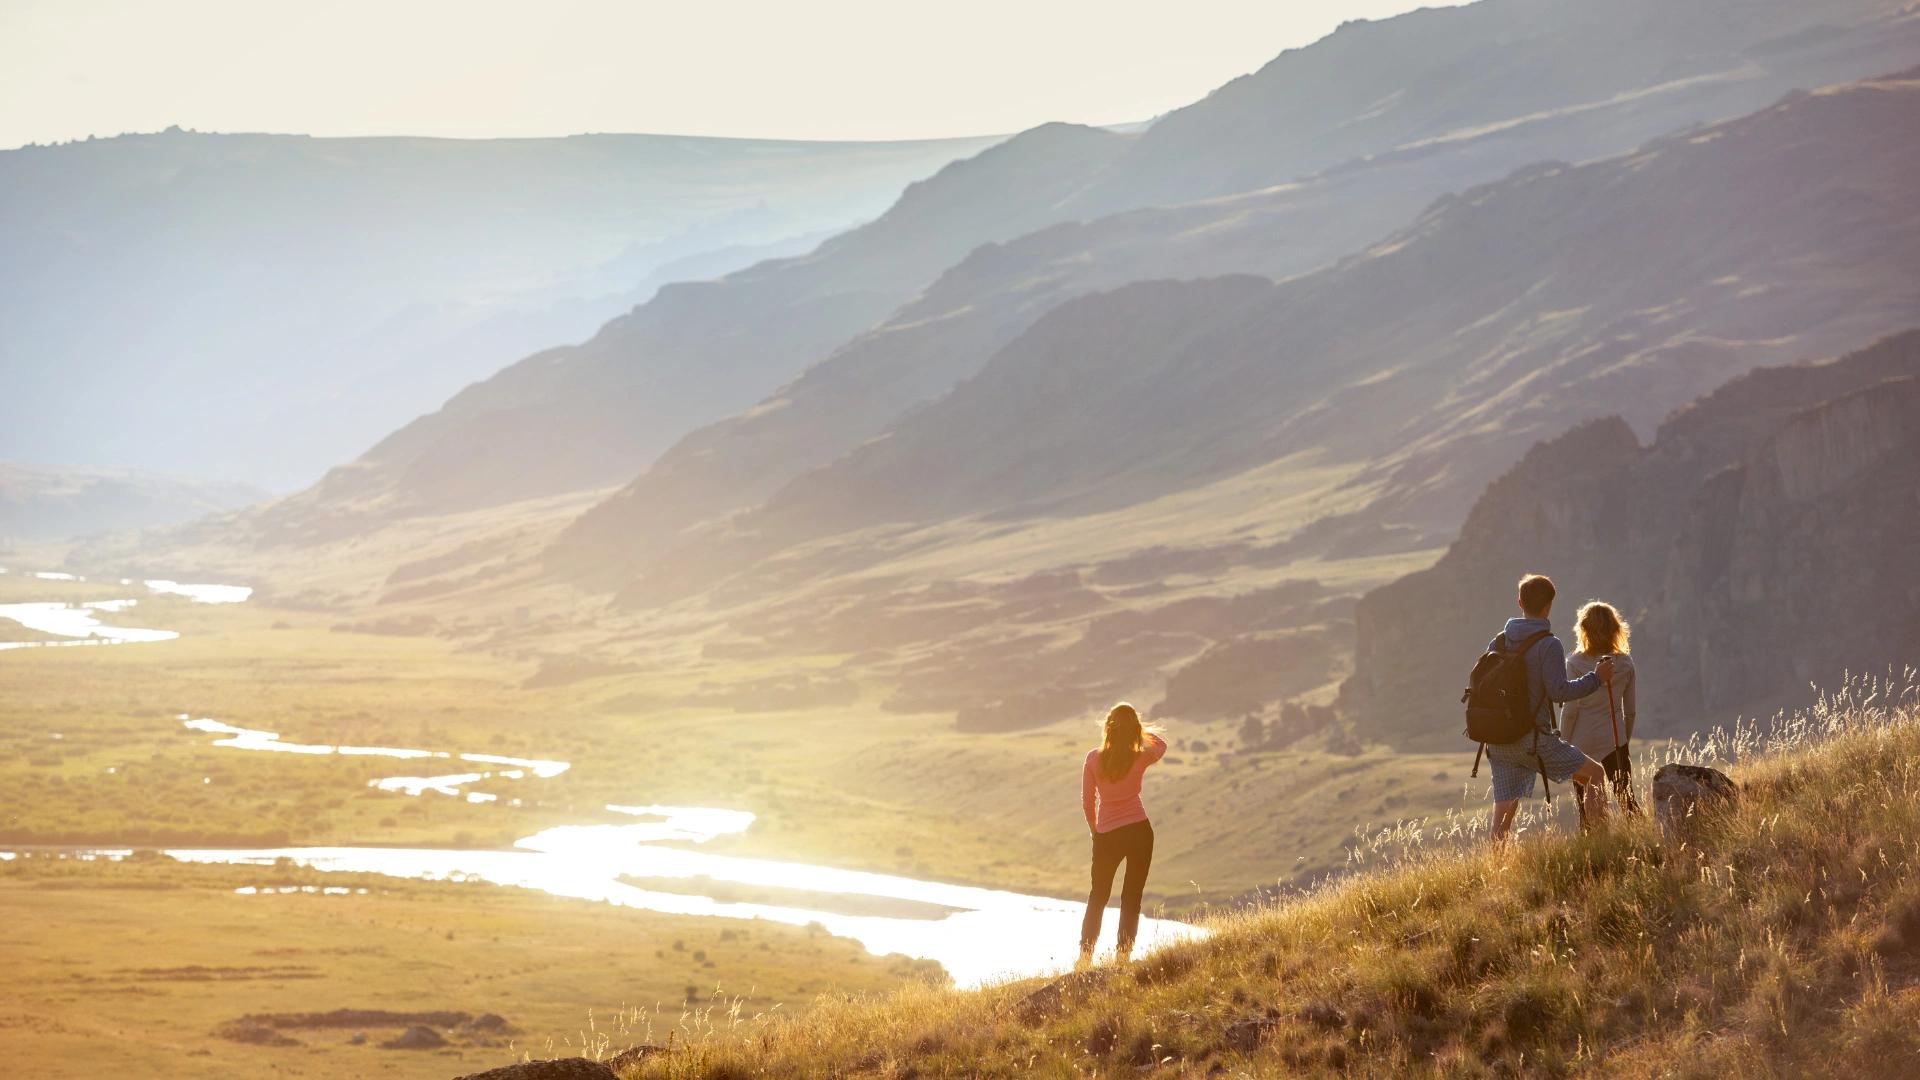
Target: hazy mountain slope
1761, 542
947, 333
1629, 285
523, 455
1443, 73
262, 306
41, 502
584, 415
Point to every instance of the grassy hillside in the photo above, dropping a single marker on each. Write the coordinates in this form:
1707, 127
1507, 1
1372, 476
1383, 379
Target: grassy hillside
1784, 939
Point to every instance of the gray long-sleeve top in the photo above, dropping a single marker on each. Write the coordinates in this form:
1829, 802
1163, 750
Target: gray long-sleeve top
1584, 722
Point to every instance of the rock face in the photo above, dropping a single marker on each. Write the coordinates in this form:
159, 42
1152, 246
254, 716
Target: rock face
574, 1068
1683, 792
1762, 542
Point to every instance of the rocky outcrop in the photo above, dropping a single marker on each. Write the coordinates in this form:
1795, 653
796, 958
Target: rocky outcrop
574, 1068
1762, 542
1683, 794
1060, 994
252, 1032
417, 1037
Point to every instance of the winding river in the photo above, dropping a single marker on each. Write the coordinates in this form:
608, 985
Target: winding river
644, 856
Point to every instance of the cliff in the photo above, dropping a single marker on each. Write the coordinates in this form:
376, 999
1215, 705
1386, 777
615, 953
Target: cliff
1761, 542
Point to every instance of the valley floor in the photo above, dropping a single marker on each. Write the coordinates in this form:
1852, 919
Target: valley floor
147, 967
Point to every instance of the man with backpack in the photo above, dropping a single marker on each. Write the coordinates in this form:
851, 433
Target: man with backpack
1510, 698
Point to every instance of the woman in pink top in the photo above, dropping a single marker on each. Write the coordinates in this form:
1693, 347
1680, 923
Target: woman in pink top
1110, 795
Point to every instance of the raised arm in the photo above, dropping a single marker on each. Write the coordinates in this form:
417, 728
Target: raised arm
1155, 748
1559, 687
1086, 790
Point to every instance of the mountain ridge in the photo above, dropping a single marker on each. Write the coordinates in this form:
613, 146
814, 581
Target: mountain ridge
753, 376
1206, 378
983, 302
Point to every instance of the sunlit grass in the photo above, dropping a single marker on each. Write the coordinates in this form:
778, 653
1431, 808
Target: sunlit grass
1782, 939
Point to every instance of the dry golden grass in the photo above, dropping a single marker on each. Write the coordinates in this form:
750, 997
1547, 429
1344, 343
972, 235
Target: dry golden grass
1783, 940
136, 968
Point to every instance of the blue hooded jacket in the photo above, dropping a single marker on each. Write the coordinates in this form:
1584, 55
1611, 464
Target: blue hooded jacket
1547, 680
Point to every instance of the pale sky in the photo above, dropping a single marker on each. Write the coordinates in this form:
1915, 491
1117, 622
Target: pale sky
805, 69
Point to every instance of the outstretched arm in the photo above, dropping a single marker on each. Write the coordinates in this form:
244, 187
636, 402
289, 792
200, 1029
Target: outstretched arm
1086, 791
1559, 687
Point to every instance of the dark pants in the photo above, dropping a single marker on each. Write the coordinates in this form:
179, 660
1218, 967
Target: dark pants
1132, 844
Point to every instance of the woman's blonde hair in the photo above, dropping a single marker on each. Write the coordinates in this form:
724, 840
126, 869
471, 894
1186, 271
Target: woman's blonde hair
1600, 631
1122, 739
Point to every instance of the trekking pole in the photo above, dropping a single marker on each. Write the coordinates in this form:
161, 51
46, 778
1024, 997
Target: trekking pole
1623, 787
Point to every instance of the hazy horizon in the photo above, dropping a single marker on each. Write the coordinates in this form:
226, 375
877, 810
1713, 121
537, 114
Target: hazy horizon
485, 71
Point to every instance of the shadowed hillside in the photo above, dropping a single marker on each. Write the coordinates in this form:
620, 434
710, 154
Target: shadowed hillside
1762, 541
950, 331
1431, 361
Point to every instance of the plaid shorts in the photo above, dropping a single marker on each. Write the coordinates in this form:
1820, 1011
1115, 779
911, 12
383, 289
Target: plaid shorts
1515, 764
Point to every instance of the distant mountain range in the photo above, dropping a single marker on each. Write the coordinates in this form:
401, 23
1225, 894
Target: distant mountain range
1129, 439
42, 502
1762, 542
1069, 422
1431, 360
258, 307
1371, 123
583, 416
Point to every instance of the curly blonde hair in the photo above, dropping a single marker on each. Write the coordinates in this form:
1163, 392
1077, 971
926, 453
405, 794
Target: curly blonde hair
1600, 631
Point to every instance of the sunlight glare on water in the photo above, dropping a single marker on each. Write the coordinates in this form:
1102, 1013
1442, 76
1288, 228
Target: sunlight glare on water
79, 623
978, 935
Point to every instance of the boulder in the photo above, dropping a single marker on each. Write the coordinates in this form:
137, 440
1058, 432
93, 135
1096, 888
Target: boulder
253, 1033
1059, 994
1324, 1015
1247, 1033
1683, 792
633, 1055
573, 1068
417, 1037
